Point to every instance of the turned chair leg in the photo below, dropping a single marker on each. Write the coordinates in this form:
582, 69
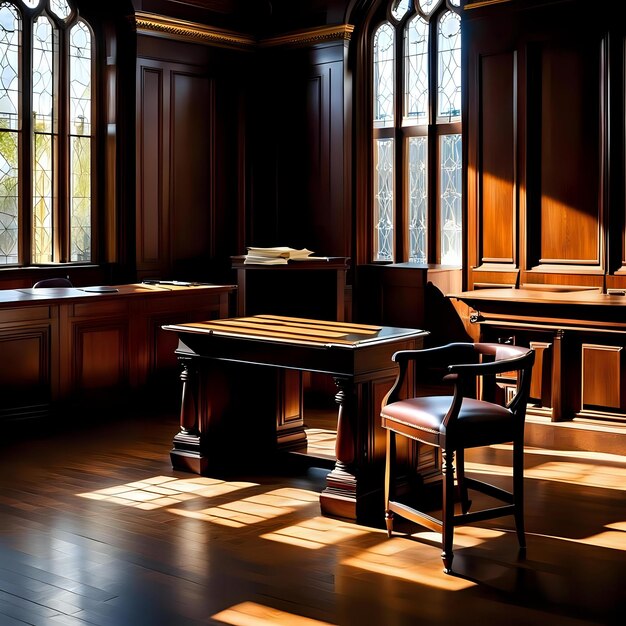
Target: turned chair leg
448, 510
390, 461
466, 503
518, 492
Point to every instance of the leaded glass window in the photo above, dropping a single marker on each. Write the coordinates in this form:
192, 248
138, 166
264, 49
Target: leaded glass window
418, 199
449, 66
80, 142
46, 133
400, 8
427, 6
450, 204
384, 41
10, 52
60, 8
43, 116
416, 122
383, 199
416, 70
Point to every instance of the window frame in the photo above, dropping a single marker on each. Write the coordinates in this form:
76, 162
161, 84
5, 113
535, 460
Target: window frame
61, 139
402, 130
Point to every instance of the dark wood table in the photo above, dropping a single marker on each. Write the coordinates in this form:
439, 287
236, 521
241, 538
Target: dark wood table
242, 395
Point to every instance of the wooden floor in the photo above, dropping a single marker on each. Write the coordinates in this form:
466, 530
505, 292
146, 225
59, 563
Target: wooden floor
96, 528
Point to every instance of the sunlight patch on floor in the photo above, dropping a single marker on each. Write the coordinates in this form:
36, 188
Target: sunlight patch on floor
410, 561
582, 474
254, 509
318, 532
162, 491
253, 614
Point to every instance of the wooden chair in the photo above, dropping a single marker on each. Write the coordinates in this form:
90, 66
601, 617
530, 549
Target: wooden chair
53, 282
470, 416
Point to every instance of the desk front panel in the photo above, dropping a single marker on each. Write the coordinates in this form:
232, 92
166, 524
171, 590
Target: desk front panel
68, 345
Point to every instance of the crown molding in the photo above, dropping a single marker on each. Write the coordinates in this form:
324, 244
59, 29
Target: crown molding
162, 26
314, 35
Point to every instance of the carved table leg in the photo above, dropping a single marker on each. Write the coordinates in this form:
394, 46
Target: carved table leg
186, 453
339, 499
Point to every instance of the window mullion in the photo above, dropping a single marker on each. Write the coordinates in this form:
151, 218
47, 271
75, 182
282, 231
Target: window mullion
399, 160
61, 173
26, 147
434, 220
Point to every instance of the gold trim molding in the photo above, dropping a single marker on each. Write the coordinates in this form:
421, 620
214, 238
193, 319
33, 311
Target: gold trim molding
158, 25
315, 35
162, 26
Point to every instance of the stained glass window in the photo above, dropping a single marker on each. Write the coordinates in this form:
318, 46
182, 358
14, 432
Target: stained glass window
383, 200
43, 118
450, 176
400, 8
60, 8
46, 133
10, 53
428, 5
418, 199
449, 64
384, 75
80, 142
417, 157
416, 70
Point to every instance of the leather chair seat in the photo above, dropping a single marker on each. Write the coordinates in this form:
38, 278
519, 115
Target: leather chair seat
479, 423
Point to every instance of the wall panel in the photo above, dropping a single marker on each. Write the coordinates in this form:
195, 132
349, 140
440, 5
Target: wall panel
497, 222
567, 206
150, 208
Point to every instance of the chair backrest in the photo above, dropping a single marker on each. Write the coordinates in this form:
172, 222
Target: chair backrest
508, 365
53, 282
492, 371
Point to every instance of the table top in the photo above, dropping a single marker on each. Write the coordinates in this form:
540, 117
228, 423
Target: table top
301, 331
29, 295
546, 294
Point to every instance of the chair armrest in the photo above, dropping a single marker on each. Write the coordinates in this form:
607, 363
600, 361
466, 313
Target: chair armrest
428, 359
490, 368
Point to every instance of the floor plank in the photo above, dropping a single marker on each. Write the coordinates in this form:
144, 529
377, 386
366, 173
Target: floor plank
96, 528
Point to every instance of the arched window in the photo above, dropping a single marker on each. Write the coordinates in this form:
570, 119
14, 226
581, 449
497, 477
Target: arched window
416, 125
46, 133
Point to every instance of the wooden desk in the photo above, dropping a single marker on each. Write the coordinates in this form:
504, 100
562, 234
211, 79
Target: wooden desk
235, 396
68, 345
289, 289
579, 336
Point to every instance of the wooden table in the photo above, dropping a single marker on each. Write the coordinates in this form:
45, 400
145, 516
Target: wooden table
238, 397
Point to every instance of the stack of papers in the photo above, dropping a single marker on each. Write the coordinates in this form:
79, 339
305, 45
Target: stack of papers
278, 255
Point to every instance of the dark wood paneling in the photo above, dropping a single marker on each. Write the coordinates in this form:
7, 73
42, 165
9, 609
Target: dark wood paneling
570, 152
602, 367
497, 224
25, 365
191, 167
150, 209
101, 355
544, 88
302, 190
